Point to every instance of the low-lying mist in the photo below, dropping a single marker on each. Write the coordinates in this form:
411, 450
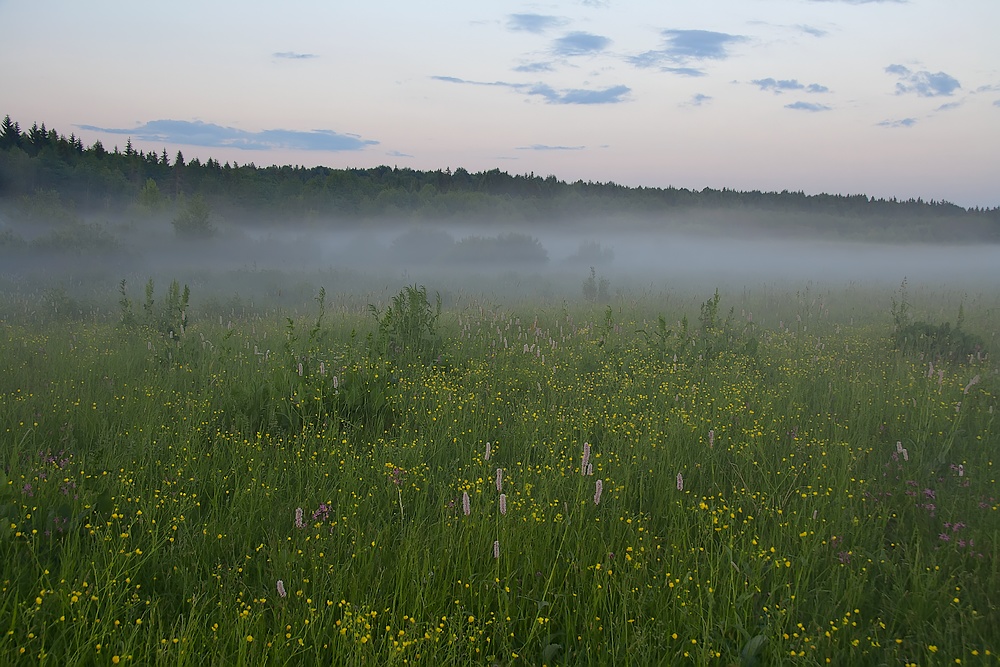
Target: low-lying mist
499, 260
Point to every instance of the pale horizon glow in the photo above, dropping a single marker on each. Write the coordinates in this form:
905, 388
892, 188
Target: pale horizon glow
888, 98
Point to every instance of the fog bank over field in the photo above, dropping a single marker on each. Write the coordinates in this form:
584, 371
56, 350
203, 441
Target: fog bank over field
456, 254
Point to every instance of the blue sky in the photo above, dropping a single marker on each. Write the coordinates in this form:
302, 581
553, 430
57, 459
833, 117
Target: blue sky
883, 97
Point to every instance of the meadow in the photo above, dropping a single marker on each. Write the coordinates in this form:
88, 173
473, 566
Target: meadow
795, 475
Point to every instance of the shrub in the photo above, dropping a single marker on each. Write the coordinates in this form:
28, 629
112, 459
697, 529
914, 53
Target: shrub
408, 327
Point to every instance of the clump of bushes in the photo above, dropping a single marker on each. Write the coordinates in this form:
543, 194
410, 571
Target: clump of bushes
935, 341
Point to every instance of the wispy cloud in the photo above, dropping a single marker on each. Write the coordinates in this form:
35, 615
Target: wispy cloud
536, 23
996, 103
398, 154
778, 86
697, 100
198, 133
292, 55
948, 106
684, 71
810, 30
684, 46
923, 83
534, 67
807, 106
579, 44
901, 122
544, 147
612, 95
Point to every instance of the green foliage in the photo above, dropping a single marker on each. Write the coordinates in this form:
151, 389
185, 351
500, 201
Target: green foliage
169, 318
407, 328
194, 221
512, 248
78, 238
45, 207
594, 290
832, 502
150, 200
937, 342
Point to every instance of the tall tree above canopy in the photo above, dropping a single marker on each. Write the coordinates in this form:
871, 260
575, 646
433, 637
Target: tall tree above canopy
10, 133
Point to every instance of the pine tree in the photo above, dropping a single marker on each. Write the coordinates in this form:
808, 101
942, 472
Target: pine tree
10, 133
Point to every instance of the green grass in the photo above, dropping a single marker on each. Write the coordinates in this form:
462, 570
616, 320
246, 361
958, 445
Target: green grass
149, 486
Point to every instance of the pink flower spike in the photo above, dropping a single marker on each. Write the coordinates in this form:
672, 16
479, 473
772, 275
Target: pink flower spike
466, 503
586, 458
499, 479
496, 548
281, 589
503, 504
680, 482
299, 523
489, 452
598, 488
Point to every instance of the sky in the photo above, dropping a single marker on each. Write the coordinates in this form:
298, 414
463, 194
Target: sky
889, 98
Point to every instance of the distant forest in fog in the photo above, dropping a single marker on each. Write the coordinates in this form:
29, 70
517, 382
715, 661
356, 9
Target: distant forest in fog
46, 177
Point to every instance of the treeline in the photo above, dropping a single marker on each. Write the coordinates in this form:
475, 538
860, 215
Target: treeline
40, 163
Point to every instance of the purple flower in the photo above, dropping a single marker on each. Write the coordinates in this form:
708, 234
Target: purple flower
299, 523
680, 482
499, 479
929, 493
598, 488
321, 512
944, 537
281, 589
503, 504
466, 503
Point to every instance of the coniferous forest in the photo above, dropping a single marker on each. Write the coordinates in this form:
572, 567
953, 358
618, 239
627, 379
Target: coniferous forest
55, 191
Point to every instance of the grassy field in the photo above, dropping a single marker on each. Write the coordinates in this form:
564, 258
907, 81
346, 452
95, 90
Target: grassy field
762, 476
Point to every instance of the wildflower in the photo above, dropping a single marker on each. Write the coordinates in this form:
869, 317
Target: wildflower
973, 382
299, 523
397, 475
906, 454
711, 437
598, 487
961, 468
944, 537
466, 503
336, 382
680, 482
321, 512
899, 447
586, 458
590, 469
496, 548
503, 504
499, 479
489, 452
281, 589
